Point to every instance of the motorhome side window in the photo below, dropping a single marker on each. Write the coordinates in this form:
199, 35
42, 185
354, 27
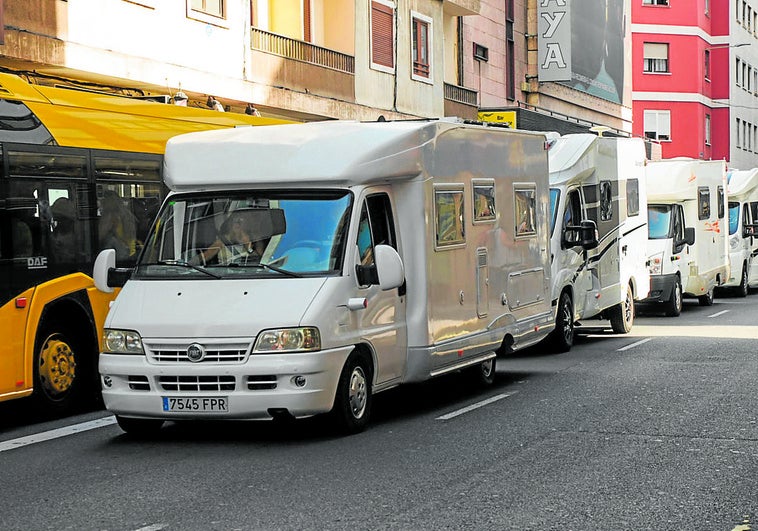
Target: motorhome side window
376, 227
484, 201
720, 201
524, 208
703, 202
448, 215
606, 201
632, 197
572, 217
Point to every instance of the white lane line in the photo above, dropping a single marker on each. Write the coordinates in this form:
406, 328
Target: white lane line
472, 407
56, 433
722, 312
635, 344
154, 527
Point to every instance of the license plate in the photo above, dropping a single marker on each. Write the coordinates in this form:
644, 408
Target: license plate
196, 404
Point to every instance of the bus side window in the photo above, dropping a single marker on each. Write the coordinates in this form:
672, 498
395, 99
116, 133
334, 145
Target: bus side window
21, 237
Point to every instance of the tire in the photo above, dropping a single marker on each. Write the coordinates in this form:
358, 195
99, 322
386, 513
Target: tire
352, 403
622, 315
742, 289
483, 374
139, 427
673, 306
707, 299
60, 371
563, 336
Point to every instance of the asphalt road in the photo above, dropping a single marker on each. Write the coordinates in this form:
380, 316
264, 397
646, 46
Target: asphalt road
655, 430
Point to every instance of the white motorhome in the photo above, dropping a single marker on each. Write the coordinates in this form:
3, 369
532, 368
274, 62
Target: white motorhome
377, 254
742, 188
600, 180
687, 247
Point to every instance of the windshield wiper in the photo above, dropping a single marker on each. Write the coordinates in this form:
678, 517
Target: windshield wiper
183, 264
261, 265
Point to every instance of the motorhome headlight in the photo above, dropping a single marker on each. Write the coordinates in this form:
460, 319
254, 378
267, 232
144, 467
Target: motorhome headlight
734, 243
302, 339
122, 342
655, 264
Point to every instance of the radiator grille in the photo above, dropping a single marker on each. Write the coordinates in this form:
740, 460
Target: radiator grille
259, 383
211, 356
197, 383
139, 383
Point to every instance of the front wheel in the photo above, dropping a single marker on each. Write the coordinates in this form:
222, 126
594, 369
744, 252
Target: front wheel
563, 336
139, 427
58, 371
742, 289
622, 315
707, 299
673, 306
352, 403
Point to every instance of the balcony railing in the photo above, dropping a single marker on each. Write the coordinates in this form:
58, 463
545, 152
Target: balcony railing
301, 51
461, 95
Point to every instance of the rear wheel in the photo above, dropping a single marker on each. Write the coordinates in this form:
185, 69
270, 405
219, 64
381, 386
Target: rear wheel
707, 299
673, 307
622, 315
563, 336
742, 289
139, 427
352, 404
483, 374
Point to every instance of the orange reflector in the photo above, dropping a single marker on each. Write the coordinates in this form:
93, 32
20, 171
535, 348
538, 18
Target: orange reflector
21, 302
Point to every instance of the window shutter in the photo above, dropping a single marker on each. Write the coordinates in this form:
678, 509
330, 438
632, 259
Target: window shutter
307, 21
656, 50
382, 35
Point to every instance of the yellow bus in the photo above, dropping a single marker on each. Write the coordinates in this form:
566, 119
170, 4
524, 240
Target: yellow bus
79, 172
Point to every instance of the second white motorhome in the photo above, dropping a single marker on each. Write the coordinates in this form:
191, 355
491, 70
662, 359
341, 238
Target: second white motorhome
688, 247
600, 180
301, 269
742, 186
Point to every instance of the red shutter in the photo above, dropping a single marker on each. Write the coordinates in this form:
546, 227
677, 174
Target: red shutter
307, 20
382, 35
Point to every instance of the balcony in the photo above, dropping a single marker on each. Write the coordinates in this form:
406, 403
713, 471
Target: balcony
301, 66
461, 102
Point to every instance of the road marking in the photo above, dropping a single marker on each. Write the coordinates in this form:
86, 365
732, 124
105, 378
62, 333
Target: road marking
56, 433
635, 344
722, 312
154, 527
472, 407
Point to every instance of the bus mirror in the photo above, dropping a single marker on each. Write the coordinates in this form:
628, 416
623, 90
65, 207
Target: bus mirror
588, 234
389, 267
749, 230
104, 263
689, 235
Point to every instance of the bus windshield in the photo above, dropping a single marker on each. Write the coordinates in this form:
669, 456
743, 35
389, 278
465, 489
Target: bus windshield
659, 222
734, 217
248, 234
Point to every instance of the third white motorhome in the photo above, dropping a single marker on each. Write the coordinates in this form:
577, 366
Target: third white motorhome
600, 180
688, 248
298, 270
742, 187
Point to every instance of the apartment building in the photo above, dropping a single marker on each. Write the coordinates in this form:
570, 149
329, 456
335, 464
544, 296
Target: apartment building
695, 78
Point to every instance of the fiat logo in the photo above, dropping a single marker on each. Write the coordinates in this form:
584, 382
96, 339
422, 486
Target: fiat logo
195, 352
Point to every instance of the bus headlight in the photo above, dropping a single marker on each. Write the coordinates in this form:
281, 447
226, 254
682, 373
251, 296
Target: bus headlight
122, 342
655, 264
303, 339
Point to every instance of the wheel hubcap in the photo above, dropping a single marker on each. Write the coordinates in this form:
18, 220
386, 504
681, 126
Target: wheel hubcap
357, 395
57, 366
487, 367
629, 308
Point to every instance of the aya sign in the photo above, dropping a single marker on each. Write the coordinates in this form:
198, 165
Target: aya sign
554, 40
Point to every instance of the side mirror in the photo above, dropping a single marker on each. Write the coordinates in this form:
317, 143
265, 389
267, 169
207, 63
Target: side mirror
588, 234
105, 273
389, 267
748, 230
689, 235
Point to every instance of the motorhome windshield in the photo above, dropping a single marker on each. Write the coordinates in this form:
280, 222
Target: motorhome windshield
734, 217
247, 234
555, 194
659, 221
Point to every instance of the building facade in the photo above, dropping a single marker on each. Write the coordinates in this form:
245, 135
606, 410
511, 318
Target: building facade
694, 78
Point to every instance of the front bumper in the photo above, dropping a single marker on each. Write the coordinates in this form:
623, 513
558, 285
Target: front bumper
135, 387
661, 287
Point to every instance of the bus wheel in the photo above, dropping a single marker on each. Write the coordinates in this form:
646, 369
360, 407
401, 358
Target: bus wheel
622, 315
139, 427
673, 306
352, 404
707, 299
563, 335
56, 380
483, 374
742, 289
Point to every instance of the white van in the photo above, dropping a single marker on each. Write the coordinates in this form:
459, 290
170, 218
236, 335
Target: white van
601, 181
687, 247
742, 187
373, 254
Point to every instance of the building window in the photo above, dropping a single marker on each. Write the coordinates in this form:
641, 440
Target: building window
214, 8
421, 46
707, 7
707, 64
383, 35
739, 137
657, 125
655, 2
510, 56
707, 129
656, 56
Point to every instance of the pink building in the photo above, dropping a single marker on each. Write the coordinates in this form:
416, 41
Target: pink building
681, 80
